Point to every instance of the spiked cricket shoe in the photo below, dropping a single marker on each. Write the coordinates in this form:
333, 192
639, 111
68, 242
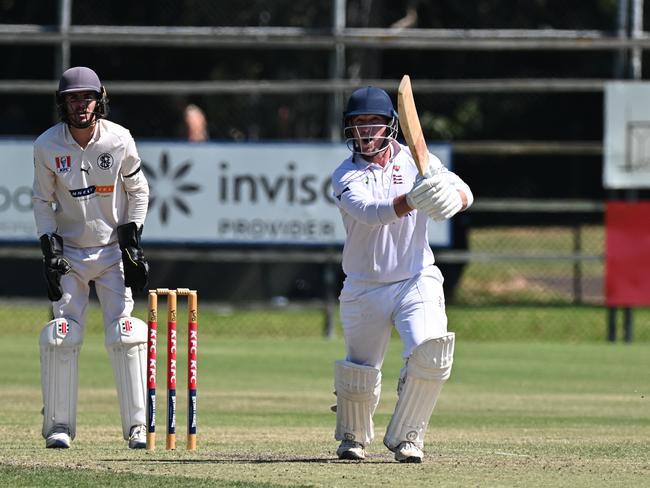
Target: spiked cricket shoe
407, 452
351, 450
138, 437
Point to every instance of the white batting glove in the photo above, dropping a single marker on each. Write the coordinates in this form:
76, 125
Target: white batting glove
435, 196
423, 190
445, 204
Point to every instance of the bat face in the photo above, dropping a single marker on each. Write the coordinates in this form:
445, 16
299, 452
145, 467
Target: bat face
410, 124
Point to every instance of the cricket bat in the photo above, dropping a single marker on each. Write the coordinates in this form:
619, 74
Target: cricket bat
410, 124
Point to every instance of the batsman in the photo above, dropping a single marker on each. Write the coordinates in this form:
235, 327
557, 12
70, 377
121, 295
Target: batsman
90, 200
391, 279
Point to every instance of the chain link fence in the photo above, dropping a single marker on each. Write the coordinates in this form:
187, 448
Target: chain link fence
548, 265
521, 283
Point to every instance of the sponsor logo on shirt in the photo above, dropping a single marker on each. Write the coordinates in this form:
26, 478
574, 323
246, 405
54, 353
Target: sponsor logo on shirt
105, 161
63, 163
92, 189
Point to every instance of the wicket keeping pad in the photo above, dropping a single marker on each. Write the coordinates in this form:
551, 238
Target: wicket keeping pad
60, 343
126, 343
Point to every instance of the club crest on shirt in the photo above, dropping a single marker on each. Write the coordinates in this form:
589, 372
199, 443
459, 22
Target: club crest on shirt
105, 161
63, 163
398, 179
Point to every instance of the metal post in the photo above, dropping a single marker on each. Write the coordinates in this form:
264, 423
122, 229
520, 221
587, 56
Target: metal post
627, 324
631, 195
577, 265
620, 66
330, 302
622, 71
337, 71
636, 33
65, 20
611, 324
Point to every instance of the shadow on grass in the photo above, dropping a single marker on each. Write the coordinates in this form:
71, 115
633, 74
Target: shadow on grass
250, 461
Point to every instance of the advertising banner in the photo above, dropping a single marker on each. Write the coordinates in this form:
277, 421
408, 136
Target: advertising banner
627, 135
627, 281
217, 193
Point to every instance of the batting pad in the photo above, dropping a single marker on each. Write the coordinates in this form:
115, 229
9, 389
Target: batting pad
60, 342
126, 342
427, 368
357, 395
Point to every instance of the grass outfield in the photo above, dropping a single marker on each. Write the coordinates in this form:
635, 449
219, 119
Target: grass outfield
514, 413
553, 323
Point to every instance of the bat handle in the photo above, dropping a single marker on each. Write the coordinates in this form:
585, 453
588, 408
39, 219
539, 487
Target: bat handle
429, 173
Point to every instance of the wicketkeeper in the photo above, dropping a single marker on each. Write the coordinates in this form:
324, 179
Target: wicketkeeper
90, 202
391, 279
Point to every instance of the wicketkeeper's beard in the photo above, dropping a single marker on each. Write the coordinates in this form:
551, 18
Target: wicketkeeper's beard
82, 120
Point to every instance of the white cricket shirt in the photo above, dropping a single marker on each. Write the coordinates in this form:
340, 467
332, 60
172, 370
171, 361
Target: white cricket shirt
93, 189
380, 246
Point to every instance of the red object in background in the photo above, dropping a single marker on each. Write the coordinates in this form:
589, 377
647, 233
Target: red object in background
627, 251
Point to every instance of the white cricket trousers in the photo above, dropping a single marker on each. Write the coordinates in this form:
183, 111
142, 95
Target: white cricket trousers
103, 265
369, 310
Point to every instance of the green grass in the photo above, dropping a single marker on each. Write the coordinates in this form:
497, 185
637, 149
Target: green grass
552, 323
514, 414
519, 281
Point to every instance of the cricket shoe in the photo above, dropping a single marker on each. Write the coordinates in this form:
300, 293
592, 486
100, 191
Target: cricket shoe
351, 450
407, 452
58, 438
138, 437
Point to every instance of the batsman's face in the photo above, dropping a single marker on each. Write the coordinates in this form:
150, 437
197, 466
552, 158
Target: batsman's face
369, 132
81, 106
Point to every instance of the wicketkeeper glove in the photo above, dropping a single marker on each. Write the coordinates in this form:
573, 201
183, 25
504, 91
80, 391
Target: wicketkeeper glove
54, 264
435, 196
136, 268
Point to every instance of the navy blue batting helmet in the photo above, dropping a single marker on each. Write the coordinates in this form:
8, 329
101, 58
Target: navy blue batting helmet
370, 101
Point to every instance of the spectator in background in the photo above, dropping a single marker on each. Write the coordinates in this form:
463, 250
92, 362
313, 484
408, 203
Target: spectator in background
195, 123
